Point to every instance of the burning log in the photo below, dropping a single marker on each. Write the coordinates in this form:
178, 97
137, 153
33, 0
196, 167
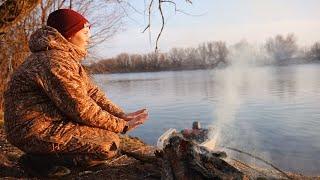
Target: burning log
185, 159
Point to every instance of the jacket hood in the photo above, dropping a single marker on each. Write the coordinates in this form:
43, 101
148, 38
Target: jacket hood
47, 38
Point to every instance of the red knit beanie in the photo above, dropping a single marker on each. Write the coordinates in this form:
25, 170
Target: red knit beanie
66, 21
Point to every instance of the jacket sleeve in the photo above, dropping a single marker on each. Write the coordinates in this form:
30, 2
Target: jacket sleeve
103, 101
66, 88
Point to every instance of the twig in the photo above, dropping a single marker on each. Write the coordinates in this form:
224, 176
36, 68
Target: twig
149, 15
149, 21
181, 11
244, 164
125, 11
114, 160
130, 5
175, 5
162, 26
189, 14
256, 157
162, 18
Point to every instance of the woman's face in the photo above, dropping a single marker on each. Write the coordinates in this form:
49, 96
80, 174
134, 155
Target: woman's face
81, 38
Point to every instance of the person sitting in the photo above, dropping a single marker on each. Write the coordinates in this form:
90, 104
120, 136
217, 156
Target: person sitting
53, 108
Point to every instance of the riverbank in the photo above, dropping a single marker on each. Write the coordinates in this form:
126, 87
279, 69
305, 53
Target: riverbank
105, 67
129, 166
123, 167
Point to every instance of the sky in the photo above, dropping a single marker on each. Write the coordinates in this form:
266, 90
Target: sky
213, 20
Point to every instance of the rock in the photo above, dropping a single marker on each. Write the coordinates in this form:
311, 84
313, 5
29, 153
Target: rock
85, 173
58, 171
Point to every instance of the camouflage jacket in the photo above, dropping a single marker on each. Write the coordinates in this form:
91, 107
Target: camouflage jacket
52, 85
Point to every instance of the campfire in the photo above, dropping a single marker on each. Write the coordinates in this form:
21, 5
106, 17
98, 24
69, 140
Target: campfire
185, 156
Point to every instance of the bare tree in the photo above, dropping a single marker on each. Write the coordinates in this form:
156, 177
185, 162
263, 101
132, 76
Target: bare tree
176, 56
315, 51
282, 48
213, 53
221, 52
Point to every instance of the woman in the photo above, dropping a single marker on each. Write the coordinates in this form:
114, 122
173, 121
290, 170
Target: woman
51, 104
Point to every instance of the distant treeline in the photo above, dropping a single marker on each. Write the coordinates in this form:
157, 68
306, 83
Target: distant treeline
208, 55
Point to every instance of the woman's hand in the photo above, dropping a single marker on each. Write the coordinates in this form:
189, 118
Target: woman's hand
135, 122
131, 116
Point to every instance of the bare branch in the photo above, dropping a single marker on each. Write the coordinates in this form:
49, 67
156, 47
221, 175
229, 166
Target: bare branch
162, 17
189, 14
179, 10
175, 5
61, 4
149, 21
85, 6
44, 10
130, 5
162, 26
125, 11
149, 15
148, 26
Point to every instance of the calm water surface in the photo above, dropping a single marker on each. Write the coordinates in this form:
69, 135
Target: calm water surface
272, 112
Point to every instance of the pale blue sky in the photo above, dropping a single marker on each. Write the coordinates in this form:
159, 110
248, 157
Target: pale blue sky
226, 20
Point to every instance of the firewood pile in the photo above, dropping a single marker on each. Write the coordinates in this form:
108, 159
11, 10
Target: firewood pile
185, 159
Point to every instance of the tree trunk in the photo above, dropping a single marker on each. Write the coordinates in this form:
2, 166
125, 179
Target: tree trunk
12, 11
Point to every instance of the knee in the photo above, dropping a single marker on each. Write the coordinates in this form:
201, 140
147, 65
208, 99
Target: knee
110, 148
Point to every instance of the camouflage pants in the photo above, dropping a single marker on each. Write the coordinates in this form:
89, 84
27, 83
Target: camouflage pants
69, 141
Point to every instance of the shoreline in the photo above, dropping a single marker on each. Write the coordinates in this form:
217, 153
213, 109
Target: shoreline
285, 63
129, 167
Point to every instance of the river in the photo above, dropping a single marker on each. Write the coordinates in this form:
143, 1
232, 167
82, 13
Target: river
270, 111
